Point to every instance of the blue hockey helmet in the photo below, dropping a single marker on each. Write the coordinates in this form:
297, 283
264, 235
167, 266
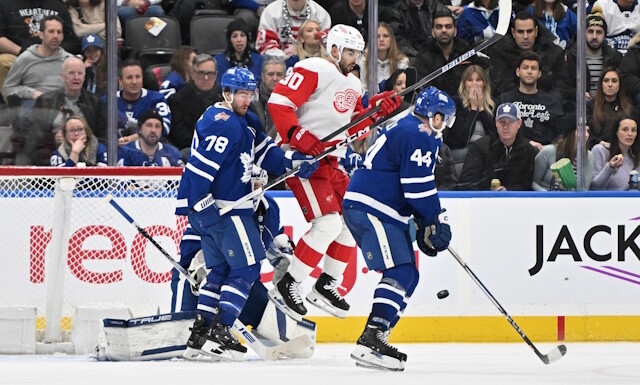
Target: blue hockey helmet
432, 101
238, 78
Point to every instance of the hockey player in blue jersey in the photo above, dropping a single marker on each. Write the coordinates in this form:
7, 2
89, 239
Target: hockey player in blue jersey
397, 182
224, 149
133, 100
148, 150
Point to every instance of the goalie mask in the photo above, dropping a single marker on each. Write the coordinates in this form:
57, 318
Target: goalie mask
344, 36
432, 101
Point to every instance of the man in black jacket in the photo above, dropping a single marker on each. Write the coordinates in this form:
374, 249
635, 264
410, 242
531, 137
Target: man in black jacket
526, 35
188, 104
353, 13
509, 157
440, 49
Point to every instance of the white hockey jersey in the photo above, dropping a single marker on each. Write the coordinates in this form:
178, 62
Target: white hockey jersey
317, 96
621, 26
277, 37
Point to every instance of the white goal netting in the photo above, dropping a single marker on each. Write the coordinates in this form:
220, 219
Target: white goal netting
64, 246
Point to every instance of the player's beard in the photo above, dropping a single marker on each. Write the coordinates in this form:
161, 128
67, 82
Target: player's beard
344, 68
239, 110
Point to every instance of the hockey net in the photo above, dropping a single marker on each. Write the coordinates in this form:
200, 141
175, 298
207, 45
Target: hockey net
64, 246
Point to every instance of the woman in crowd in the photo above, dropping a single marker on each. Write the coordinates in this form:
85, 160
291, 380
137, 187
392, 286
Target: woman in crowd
88, 18
609, 103
95, 62
474, 113
564, 147
390, 58
79, 146
612, 165
238, 52
180, 70
307, 43
557, 18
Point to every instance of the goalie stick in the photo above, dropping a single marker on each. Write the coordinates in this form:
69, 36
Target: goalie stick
504, 18
266, 353
553, 356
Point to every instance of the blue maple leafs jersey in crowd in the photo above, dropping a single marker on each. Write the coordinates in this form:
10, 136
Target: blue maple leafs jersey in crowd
149, 100
397, 180
132, 155
171, 84
224, 148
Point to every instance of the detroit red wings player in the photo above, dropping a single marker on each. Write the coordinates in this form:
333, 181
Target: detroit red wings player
318, 97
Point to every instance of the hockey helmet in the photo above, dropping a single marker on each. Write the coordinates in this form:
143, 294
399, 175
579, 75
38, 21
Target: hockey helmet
432, 101
238, 78
344, 36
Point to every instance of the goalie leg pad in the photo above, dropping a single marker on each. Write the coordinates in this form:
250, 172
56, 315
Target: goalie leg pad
279, 328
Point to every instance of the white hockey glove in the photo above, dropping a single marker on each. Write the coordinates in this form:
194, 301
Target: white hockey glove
198, 270
279, 255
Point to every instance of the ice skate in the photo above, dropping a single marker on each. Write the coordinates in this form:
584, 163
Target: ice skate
325, 295
286, 296
196, 339
374, 352
221, 342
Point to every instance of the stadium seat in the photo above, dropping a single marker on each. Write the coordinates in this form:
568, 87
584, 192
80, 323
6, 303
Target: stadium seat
209, 33
155, 74
150, 49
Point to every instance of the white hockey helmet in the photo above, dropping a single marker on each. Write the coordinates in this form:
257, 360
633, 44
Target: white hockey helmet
344, 36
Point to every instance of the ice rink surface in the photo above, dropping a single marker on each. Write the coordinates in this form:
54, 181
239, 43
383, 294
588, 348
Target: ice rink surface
428, 364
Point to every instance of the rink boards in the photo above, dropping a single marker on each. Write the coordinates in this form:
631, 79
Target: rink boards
566, 267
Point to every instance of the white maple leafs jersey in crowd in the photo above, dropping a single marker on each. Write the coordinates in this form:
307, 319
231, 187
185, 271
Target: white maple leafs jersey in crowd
621, 25
166, 155
397, 180
316, 96
224, 149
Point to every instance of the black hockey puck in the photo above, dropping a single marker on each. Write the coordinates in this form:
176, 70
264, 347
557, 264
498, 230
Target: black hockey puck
442, 294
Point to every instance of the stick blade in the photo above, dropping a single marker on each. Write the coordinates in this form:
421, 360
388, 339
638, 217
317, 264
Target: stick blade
554, 355
504, 16
289, 348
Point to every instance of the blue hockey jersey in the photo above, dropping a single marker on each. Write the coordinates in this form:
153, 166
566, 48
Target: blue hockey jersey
148, 100
477, 23
397, 180
172, 84
165, 156
224, 149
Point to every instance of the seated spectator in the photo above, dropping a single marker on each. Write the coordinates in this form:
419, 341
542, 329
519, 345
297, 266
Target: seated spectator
390, 58
37, 69
20, 26
79, 146
239, 53
133, 100
557, 18
526, 36
273, 70
508, 157
48, 117
280, 23
612, 165
623, 21
130, 8
95, 62
478, 21
565, 147
539, 110
474, 113
598, 56
610, 103
88, 18
354, 13
188, 104
630, 70
411, 21
148, 151
180, 71
397, 82
308, 45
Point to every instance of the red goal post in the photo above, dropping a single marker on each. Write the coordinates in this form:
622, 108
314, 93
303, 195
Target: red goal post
64, 247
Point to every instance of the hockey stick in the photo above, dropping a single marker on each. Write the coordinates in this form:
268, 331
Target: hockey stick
549, 358
504, 18
265, 352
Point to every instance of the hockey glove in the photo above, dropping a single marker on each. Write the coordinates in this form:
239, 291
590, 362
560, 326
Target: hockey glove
432, 237
305, 163
204, 215
353, 161
197, 269
389, 101
306, 142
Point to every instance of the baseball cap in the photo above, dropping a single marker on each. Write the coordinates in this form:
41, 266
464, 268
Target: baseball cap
148, 114
91, 41
508, 110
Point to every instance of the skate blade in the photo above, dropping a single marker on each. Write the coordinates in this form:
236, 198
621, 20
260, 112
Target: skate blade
369, 359
323, 304
213, 349
290, 348
277, 299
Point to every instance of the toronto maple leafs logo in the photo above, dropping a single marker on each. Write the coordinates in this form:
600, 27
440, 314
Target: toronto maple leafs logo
247, 163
